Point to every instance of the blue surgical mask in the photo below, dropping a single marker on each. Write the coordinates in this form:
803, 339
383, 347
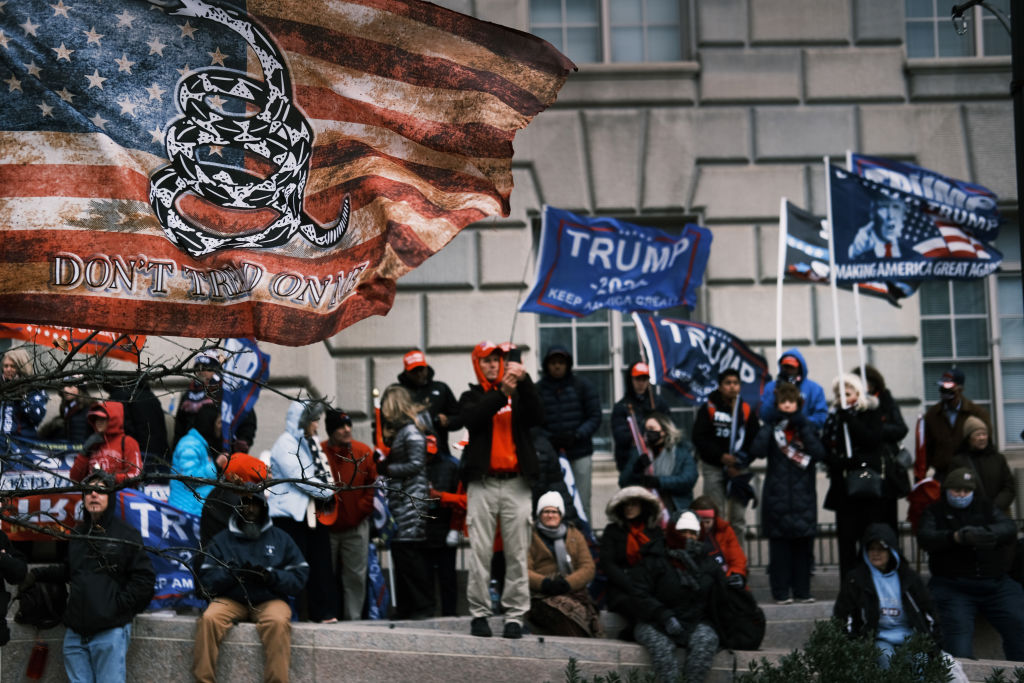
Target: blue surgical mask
958, 502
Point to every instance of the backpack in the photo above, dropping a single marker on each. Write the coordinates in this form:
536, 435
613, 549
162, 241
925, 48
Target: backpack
42, 604
737, 619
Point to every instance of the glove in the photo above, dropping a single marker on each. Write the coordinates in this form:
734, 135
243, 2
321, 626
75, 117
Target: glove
650, 482
560, 586
256, 575
673, 627
547, 586
642, 463
977, 536
452, 539
736, 580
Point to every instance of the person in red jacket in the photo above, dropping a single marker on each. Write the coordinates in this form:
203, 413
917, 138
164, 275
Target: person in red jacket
723, 546
351, 465
109, 448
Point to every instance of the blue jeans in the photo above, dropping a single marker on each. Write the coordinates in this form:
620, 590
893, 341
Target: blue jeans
98, 659
959, 600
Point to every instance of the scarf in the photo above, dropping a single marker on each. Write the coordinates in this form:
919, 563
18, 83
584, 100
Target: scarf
557, 536
665, 463
636, 540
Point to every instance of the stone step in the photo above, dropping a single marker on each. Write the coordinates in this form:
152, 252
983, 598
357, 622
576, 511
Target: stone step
432, 651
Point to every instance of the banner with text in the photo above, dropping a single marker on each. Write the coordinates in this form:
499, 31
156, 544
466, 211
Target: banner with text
687, 356
883, 233
587, 263
244, 373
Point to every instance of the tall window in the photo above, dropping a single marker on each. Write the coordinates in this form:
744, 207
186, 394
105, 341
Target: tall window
930, 31
605, 31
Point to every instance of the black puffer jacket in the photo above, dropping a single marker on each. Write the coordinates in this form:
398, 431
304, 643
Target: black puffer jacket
442, 475
665, 590
713, 427
857, 607
995, 480
109, 571
572, 409
622, 595
439, 400
406, 470
950, 559
869, 448
789, 500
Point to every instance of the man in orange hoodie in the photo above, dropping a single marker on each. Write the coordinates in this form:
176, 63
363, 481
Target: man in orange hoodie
351, 465
109, 448
497, 465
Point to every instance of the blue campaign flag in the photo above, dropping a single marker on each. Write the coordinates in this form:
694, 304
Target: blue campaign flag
172, 539
882, 233
244, 372
687, 356
971, 207
588, 262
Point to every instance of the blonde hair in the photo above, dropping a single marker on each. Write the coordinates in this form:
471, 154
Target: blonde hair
839, 385
22, 360
397, 409
673, 435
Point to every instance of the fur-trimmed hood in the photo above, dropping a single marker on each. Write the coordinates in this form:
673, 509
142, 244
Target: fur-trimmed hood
651, 505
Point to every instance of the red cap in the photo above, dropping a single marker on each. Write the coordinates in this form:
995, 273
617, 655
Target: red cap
640, 370
789, 360
414, 359
246, 467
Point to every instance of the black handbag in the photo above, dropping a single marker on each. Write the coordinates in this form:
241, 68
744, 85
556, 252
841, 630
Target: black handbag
864, 482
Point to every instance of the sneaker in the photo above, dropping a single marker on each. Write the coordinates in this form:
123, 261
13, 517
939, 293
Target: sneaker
480, 628
513, 630
807, 600
787, 601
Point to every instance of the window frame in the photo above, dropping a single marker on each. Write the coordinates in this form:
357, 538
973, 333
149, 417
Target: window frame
978, 19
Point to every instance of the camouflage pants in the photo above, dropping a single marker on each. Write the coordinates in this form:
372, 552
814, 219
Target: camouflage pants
699, 652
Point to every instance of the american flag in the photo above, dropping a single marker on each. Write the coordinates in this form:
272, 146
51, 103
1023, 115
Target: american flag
394, 115
933, 238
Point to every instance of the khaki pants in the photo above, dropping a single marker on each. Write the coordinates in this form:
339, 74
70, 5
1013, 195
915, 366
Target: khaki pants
350, 551
490, 501
273, 623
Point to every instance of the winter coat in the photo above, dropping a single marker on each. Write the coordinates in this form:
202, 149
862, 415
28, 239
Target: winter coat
950, 559
477, 409
75, 417
541, 563
291, 457
857, 607
789, 501
643, 406
191, 459
21, 416
815, 406
713, 426
572, 409
894, 429
995, 480
675, 489
662, 593
116, 453
143, 417
406, 472
549, 475
438, 399
109, 571
442, 475
356, 505
195, 397
941, 440
869, 448
621, 596
273, 550
725, 548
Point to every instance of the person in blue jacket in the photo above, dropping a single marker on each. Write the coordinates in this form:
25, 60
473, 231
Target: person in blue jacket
793, 369
196, 455
671, 469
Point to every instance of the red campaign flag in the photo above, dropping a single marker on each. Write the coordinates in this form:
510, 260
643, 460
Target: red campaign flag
108, 344
190, 168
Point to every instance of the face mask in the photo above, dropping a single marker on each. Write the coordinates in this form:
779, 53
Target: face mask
957, 502
792, 379
652, 438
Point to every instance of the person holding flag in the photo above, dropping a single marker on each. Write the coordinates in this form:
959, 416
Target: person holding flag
667, 466
638, 402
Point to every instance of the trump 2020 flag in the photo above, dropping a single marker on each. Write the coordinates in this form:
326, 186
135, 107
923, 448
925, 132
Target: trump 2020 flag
265, 169
972, 207
589, 262
886, 234
807, 255
243, 374
687, 356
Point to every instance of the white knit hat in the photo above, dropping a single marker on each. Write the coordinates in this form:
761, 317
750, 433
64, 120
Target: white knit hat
551, 499
688, 522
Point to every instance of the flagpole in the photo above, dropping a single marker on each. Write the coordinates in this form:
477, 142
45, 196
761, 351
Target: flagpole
861, 351
833, 278
783, 235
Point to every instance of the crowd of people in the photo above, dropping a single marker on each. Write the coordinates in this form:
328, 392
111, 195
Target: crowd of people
521, 493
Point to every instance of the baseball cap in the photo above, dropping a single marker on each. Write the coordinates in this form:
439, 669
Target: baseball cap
951, 378
790, 360
640, 370
414, 359
961, 478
